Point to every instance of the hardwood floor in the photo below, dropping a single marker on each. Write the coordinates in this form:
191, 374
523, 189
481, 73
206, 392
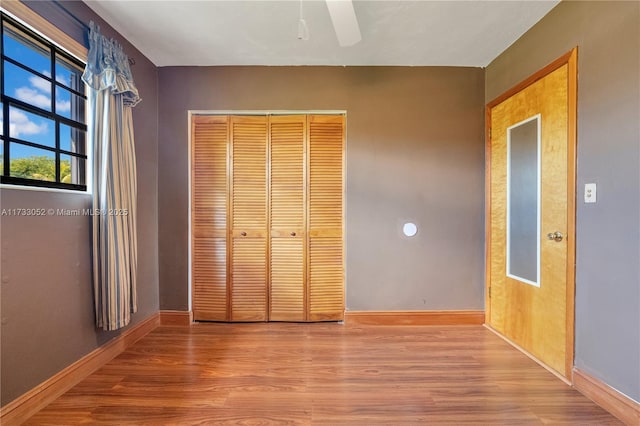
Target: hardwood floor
283, 373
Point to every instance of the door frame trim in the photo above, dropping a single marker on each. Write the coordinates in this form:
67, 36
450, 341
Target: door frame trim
571, 59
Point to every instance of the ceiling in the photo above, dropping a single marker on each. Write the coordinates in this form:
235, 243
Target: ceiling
394, 32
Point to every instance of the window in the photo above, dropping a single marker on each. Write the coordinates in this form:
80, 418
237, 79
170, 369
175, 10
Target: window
43, 124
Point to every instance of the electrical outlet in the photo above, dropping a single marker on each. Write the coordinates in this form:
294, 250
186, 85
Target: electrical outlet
590, 193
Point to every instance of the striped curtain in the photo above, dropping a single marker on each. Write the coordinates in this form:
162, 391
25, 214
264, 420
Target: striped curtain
112, 94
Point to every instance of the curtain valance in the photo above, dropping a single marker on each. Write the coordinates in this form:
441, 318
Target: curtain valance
108, 67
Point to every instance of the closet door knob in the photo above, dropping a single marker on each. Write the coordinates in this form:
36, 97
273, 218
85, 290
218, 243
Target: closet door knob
293, 234
244, 234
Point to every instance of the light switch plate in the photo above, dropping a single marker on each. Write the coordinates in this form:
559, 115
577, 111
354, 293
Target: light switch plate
590, 193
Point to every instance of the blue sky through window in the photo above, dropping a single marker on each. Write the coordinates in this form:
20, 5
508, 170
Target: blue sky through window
35, 90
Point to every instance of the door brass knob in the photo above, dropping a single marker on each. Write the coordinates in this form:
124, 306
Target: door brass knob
293, 234
555, 236
244, 234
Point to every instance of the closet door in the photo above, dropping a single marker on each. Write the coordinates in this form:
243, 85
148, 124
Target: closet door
325, 222
287, 216
209, 217
248, 231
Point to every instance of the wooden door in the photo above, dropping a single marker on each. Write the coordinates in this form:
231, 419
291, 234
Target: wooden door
209, 217
531, 218
248, 231
325, 218
267, 218
287, 217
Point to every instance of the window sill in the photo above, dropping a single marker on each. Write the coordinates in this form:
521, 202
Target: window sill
4, 186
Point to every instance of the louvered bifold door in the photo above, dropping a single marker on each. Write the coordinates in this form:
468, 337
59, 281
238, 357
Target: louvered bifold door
325, 218
287, 216
209, 217
249, 227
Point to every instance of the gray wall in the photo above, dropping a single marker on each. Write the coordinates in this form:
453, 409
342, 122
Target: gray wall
46, 294
414, 152
608, 233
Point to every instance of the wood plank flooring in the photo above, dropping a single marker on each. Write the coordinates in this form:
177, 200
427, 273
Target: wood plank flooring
324, 374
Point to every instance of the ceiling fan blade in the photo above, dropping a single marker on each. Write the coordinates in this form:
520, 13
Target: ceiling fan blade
344, 21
